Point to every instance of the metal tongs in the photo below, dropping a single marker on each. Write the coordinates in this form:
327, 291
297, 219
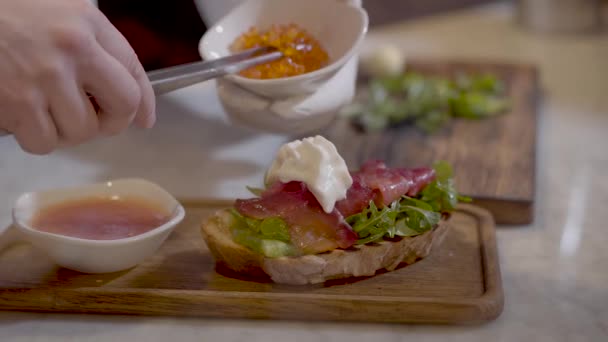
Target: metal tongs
176, 77
172, 78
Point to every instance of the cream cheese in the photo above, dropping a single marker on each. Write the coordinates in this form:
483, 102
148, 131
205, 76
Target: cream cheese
315, 161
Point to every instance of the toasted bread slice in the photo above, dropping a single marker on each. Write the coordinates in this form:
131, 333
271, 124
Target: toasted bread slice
357, 261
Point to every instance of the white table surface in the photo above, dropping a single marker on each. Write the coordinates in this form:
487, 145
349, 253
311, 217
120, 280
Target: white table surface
555, 271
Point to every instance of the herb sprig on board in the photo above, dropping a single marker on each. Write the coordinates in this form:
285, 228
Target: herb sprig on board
427, 102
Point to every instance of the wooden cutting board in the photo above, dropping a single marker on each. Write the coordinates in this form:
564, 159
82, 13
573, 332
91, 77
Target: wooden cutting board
494, 159
459, 283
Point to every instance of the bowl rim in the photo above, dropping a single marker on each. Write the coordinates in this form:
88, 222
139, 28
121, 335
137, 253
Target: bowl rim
336, 64
21, 224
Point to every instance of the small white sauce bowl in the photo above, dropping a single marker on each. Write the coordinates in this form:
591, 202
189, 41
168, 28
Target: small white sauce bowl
96, 256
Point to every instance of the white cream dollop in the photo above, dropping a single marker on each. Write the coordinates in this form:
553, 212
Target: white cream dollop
315, 161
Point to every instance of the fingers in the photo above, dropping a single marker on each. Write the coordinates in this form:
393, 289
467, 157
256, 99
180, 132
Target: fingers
73, 114
116, 92
38, 134
35, 130
53, 65
66, 118
117, 46
24, 113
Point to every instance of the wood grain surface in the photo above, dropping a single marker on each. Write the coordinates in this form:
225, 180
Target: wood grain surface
494, 159
459, 283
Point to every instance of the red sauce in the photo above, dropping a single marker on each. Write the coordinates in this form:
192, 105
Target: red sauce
101, 218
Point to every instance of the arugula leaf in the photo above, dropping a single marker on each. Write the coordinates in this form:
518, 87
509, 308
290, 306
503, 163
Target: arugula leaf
372, 221
371, 238
401, 229
443, 170
405, 200
404, 217
419, 219
441, 194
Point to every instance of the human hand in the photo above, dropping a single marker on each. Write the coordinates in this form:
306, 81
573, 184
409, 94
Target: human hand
52, 53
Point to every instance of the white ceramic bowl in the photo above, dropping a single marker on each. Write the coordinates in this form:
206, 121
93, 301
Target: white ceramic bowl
296, 115
96, 256
339, 27
294, 105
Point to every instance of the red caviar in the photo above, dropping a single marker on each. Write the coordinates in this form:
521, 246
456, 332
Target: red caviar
302, 52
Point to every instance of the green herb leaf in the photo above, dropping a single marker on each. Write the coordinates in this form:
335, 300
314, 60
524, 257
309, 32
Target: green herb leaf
476, 105
245, 222
372, 220
401, 229
405, 200
441, 194
372, 238
269, 237
428, 102
419, 219
404, 217
443, 170
486, 83
267, 247
255, 191
274, 228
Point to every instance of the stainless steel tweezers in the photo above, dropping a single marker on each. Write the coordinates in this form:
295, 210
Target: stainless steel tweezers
172, 78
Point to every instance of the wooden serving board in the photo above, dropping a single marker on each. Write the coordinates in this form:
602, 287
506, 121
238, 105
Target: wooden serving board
494, 159
458, 283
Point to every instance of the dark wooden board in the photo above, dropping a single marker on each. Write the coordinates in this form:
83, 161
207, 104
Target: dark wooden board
494, 159
458, 283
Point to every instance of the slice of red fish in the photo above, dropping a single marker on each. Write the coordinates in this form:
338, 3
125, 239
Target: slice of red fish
312, 230
389, 184
357, 198
422, 177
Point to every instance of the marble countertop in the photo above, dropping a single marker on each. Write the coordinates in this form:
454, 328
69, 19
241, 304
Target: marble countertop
554, 270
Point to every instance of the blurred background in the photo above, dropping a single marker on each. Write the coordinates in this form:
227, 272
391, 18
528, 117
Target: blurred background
166, 33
